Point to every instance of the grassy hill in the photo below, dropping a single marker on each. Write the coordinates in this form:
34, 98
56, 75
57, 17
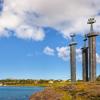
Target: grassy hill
77, 91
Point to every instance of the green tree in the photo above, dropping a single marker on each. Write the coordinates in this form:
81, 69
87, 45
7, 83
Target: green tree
98, 78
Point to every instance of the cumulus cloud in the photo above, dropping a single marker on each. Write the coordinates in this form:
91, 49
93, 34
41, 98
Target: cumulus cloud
12, 18
79, 54
27, 32
98, 58
64, 53
66, 16
49, 51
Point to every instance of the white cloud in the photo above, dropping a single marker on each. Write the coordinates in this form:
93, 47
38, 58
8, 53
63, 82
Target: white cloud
12, 18
4, 33
63, 52
49, 51
79, 54
98, 58
66, 16
8, 20
27, 32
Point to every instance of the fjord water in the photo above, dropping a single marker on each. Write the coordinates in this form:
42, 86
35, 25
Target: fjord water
18, 93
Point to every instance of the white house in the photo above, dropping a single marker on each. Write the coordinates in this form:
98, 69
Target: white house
1, 84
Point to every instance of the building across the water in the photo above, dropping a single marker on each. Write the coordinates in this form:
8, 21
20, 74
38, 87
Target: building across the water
1, 84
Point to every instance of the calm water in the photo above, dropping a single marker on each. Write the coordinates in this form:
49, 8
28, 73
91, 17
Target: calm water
18, 93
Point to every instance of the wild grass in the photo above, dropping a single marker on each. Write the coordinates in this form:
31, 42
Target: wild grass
78, 91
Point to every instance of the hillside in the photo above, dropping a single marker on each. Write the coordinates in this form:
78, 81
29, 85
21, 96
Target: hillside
78, 91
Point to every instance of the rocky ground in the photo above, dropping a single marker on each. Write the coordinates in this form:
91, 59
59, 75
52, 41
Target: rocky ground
82, 91
47, 94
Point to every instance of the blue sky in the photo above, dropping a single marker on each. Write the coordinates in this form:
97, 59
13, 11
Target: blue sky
34, 37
